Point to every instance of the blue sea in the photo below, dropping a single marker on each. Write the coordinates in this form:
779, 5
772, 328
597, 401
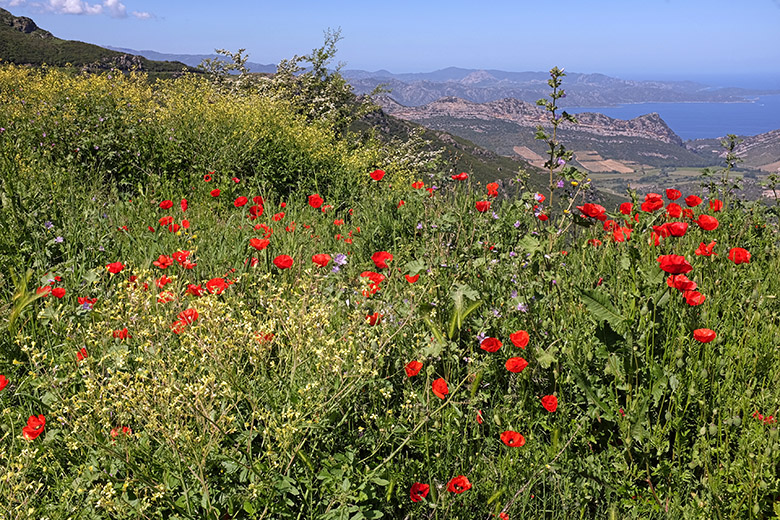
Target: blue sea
704, 120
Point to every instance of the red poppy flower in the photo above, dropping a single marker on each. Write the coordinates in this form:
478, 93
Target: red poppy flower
207, 177
413, 368
458, 484
268, 230
194, 290
673, 194
595, 242
592, 210
315, 201
121, 334
674, 264
166, 204
626, 208
694, 298
376, 278
81, 355
520, 338
653, 202
542, 217
216, 285
125, 430
736, 255
707, 223
412, 279
3, 381
165, 297
483, 205
180, 256
373, 319
460, 177
183, 204
380, 259
662, 230
704, 335
163, 262
188, 316
516, 364
215, 192
687, 213
418, 185
34, 428
418, 491
550, 403
512, 439
655, 239
259, 243
115, 267
321, 259
279, 216
492, 189
705, 250
681, 282
440, 388
283, 261
490, 344
240, 201
377, 175
162, 281
621, 234
400, 203
692, 201
674, 210
58, 292
716, 205
480, 419
677, 229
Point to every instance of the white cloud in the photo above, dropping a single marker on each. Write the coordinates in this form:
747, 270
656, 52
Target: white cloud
116, 8
112, 8
73, 7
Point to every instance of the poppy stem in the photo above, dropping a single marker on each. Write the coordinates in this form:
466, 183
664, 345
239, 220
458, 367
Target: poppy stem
538, 472
420, 425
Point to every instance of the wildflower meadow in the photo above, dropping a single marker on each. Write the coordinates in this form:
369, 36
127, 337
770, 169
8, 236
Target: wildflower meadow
220, 304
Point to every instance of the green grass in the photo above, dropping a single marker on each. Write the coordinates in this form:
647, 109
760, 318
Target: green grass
283, 400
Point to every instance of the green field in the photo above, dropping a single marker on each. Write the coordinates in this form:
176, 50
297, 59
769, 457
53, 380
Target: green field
219, 302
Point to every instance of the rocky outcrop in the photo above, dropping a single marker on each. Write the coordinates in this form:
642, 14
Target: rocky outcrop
22, 24
649, 126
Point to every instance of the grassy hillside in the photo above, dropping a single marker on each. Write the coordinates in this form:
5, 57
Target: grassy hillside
38, 47
217, 303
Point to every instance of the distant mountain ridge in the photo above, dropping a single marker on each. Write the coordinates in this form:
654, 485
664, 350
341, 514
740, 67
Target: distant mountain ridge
482, 86
193, 60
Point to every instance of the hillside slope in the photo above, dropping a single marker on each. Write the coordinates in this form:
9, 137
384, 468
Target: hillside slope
23, 42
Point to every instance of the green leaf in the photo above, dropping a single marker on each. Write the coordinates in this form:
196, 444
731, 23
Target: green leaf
528, 244
602, 309
415, 266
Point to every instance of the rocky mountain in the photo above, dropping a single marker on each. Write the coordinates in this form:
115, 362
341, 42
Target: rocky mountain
758, 152
600, 143
482, 86
23, 42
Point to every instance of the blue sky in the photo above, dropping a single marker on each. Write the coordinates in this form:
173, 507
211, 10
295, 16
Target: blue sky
661, 39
